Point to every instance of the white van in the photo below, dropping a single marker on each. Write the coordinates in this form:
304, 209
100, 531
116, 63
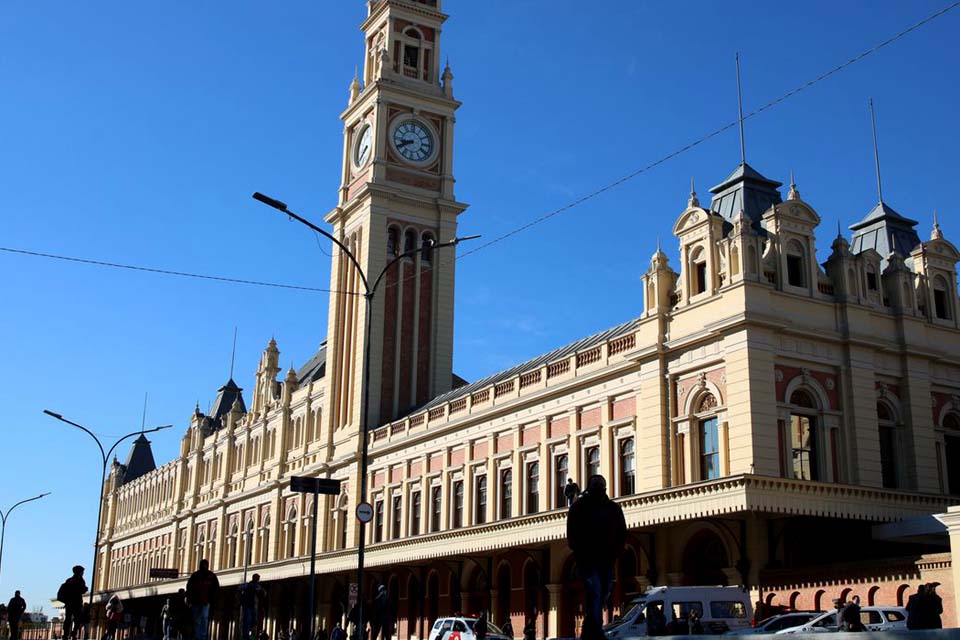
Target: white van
720, 609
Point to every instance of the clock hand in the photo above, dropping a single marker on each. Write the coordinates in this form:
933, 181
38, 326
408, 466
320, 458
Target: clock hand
404, 143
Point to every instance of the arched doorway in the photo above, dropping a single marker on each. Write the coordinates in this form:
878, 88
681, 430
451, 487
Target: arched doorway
704, 559
478, 592
570, 615
414, 606
504, 591
433, 597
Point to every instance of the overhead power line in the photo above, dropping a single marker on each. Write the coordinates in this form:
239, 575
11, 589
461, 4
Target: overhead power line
168, 272
713, 134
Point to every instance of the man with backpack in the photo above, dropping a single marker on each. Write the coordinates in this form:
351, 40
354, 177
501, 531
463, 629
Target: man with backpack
70, 594
596, 533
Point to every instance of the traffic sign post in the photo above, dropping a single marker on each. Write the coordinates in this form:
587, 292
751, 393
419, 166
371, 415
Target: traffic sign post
364, 512
316, 486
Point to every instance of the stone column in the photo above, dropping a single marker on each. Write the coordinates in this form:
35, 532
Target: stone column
607, 449
553, 610
952, 521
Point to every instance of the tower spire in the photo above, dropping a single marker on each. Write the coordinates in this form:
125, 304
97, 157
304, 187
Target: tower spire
143, 420
794, 193
233, 352
693, 201
936, 234
743, 150
876, 151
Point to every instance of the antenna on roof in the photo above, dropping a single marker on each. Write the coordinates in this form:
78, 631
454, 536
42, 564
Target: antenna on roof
876, 151
233, 352
743, 151
143, 421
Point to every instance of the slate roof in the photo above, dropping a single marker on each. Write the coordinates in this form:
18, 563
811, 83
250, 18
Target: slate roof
314, 368
747, 190
140, 462
886, 231
226, 396
532, 364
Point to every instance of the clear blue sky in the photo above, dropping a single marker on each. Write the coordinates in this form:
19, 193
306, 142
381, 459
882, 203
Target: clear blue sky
136, 132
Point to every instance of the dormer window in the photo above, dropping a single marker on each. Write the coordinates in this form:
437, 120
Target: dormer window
941, 299
796, 265
699, 264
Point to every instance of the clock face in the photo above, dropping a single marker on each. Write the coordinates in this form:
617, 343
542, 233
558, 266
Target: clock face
361, 151
413, 140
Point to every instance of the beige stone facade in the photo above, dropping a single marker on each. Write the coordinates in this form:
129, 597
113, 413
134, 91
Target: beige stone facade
766, 408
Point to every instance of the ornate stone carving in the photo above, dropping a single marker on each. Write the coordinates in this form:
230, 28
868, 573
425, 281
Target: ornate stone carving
830, 384
778, 375
702, 379
709, 401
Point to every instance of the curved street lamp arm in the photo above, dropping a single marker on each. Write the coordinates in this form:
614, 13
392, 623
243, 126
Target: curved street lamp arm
282, 207
79, 426
411, 252
135, 433
7, 514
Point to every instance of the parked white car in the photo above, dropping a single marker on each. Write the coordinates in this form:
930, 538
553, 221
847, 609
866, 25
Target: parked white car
779, 622
873, 618
461, 627
720, 609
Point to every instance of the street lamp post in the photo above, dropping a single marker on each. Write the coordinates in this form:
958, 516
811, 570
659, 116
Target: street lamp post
3, 521
105, 455
368, 294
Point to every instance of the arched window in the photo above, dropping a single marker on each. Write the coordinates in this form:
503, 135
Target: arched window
458, 504
803, 436
561, 465
593, 462
265, 540
698, 270
628, 484
734, 260
533, 487
409, 241
411, 51
506, 493
416, 508
888, 444
796, 264
941, 299
751, 259
393, 241
291, 532
426, 244
480, 501
951, 445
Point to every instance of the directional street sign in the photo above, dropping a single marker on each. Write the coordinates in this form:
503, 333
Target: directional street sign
306, 484
164, 574
364, 512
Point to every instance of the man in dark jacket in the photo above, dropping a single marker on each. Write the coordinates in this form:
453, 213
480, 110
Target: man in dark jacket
380, 619
15, 610
596, 533
70, 594
201, 591
571, 491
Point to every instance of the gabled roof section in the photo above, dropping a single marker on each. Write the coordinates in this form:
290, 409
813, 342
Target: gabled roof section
314, 368
226, 396
140, 462
885, 231
747, 190
532, 364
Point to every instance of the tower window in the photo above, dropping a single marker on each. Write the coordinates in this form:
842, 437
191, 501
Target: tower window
411, 56
393, 241
415, 513
409, 241
709, 450
941, 300
627, 467
562, 473
701, 268
435, 508
396, 517
378, 522
426, 251
871, 279
795, 265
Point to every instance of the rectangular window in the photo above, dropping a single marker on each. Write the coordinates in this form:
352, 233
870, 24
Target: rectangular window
396, 517
709, 450
378, 521
593, 461
458, 504
728, 609
940, 304
871, 281
480, 517
533, 487
506, 493
803, 447
701, 275
795, 271
628, 470
436, 508
561, 474
415, 509
411, 56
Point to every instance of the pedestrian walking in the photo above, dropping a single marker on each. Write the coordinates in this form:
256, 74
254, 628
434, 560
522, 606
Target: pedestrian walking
507, 628
571, 491
338, 633
70, 594
182, 617
380, 620
167, 620
480, 626
114, 616
15, 610
934, 607
915, 609
530, 628
849, 616
596, 533
252, 599
201, 591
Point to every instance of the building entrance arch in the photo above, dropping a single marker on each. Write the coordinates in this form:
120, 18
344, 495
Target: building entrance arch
570, 614
704, 560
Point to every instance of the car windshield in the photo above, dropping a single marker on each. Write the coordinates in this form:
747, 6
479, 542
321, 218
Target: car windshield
491, 628
638, 606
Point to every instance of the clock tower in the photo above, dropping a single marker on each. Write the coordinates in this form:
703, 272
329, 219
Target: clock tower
396, 194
